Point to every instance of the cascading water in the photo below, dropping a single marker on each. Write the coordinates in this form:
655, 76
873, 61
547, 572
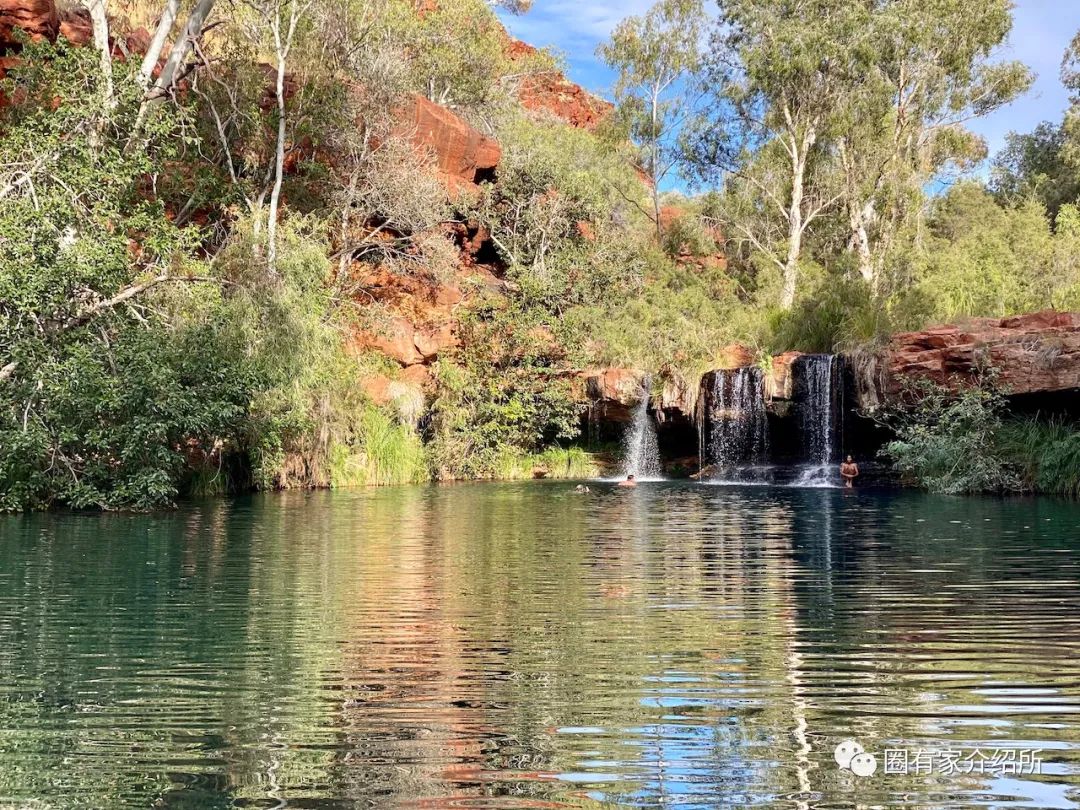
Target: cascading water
641, 450
818, 377
738, 443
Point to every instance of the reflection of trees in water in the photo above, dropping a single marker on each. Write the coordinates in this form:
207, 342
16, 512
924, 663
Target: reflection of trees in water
426, 643
922, 616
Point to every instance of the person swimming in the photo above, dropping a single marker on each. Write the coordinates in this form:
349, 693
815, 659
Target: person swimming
849, 471
581, 489
629, 482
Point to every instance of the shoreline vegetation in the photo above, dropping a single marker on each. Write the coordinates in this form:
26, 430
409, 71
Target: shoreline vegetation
330, 243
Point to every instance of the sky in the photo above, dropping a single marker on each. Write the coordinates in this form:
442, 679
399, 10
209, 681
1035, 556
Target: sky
1042, 30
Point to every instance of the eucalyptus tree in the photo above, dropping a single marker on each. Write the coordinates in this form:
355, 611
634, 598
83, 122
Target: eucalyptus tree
1045, 163
780, 75
1070, 77
1033, 165
656, 55
927, 69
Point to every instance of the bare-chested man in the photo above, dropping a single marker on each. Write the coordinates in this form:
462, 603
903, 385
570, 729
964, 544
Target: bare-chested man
629, 482
849, 471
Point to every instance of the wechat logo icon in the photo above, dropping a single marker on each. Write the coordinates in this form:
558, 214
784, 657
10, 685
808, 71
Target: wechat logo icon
851, 756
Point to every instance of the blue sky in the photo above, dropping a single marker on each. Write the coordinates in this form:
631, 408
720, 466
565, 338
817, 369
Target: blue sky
1041, 32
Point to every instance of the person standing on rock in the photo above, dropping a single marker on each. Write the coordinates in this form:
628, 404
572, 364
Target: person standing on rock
849, 471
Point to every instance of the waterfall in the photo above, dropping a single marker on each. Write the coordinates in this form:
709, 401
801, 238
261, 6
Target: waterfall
819, 416
699, 422
641, 451
739, 428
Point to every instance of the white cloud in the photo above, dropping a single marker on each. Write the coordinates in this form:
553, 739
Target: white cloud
575, 27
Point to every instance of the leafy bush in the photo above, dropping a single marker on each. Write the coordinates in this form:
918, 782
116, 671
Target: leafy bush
947, 442
505, 394
384, 452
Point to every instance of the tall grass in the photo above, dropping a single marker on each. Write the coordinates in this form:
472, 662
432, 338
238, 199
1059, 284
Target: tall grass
1046, 452
207, 481
553, 462
383, 453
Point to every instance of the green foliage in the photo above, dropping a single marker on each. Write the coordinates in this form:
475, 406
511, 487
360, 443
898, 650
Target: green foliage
947, 442
135, 368
680, 319
151, 343
113, 428
558, 212
837, 314
505, 394
1047, 453
691, 236
119, 364
1033, 165
553, 462
828, 120
455, 52
983, 258
309, 424
655, 55
384, 452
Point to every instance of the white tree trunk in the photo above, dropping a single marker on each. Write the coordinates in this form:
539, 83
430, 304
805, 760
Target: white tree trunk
180, 49
157, 44
859, 241
282, 46
100, 21
655, 168
279, 168
795, 231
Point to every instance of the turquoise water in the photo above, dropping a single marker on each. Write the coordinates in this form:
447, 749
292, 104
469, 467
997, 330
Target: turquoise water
520, 646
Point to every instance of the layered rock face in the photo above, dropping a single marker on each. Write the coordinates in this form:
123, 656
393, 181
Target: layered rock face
461, 154
38, 19
613, 393
685, 256
1035, 356
421, 325
1036, 353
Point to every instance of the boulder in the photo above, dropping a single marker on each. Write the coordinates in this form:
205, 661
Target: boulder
419, 376
613, 393
780, 382
735, 355
138, 41
377, 389
397, 340
462, 155
623, 385
38, 19
678, 399
76, 27
405, 343
433, 342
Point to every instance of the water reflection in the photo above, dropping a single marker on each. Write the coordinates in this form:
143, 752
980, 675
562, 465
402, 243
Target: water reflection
521, 645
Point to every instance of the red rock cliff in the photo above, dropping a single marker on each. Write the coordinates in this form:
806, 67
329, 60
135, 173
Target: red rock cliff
1034, 353
551, 92
462, 155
